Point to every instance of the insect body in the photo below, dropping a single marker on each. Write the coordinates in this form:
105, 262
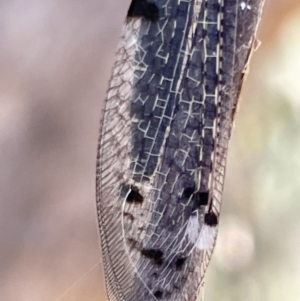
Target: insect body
163, 143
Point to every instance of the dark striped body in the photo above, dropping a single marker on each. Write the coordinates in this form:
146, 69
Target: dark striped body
163, 143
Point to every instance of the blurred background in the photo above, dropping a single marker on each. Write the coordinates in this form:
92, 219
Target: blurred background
55, 62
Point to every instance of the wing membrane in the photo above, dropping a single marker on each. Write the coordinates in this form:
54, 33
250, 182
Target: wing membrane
163, 143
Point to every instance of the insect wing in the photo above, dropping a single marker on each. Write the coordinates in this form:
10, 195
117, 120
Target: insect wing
163, 143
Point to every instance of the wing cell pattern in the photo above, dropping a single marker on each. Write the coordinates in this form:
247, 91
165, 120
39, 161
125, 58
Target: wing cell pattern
163, 143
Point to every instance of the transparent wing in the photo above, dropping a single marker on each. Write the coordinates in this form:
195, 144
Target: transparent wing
163, 143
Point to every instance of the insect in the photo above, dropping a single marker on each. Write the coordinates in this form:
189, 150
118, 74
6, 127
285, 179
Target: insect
163, 143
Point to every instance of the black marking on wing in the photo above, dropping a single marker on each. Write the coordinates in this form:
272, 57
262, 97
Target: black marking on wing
155, 274
187, 192
180, 262
132, 242
134, 195
158, 294
201, 199
154, 254
143, 8
210, 219
128, 215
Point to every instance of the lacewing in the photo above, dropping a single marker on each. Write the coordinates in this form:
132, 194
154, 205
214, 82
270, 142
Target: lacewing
163, 143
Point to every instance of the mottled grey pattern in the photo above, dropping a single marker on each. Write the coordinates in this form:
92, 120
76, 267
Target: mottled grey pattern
163, 143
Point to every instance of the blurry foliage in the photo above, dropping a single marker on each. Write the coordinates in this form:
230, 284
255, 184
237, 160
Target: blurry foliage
262, 186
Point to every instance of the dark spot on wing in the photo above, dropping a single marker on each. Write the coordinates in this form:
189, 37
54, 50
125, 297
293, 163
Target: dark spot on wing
143, 8
132, 242
128, 215
210, 219
180, 262
155, 275
158, 294
134, 195
201, 199
187, 192
154, 254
